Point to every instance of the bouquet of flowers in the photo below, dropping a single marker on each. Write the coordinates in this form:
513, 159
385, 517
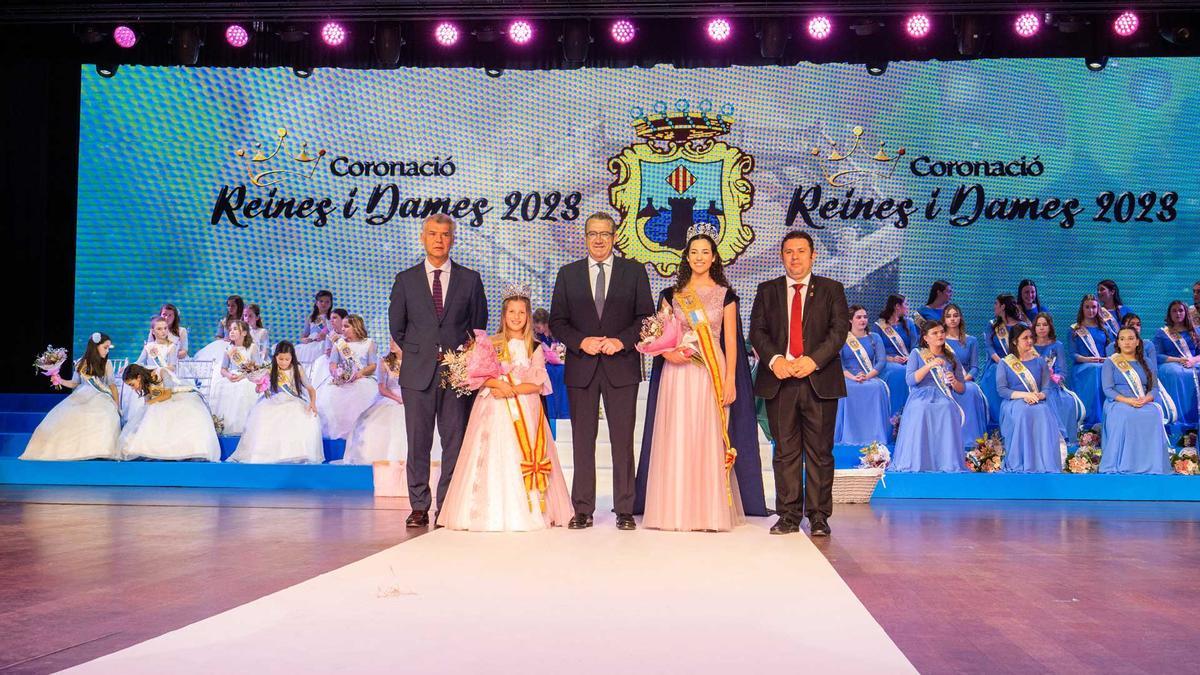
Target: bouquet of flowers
219, 424
988, 454
469, 366
1188, 439
1086, 458
875, 456
663, 332
555, 353
894, 420
345, 371
1186, 461
50, 362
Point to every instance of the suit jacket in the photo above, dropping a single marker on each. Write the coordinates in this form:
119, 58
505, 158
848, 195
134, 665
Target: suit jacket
826, 323
416, 328
573, 317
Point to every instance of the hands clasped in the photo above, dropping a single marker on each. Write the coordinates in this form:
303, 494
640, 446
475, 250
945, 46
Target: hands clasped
798, 368
601, 345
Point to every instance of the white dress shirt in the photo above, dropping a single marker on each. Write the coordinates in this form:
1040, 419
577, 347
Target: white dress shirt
594, 271
445, 268
791, 297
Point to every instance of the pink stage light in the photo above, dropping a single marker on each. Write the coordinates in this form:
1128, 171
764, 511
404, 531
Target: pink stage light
520, 32
446, 34
125, 37
1126, 24
237, 36
918, 25
623, 31
819, 27
1027, 25
719, 30
333, 33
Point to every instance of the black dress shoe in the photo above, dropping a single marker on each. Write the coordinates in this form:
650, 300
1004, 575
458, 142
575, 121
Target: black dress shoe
417, 519
785, 526
819, 527
579, 522
625, 522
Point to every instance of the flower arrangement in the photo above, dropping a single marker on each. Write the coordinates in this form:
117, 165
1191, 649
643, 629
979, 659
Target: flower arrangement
469, 366
1086, 458
895, 422
875, 456
219, 424
988, 454
1186, 461
662, 332
1188, 439
555, 353
50, 362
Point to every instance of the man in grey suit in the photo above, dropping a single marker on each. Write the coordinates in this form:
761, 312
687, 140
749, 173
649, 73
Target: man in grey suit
435, 306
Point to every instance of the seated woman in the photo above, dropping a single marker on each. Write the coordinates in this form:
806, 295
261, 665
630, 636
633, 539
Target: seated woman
379, 433
1007, 315
352, 386
1178, 357
930, 436
863, 416
213, 351
175, 424
966, 351
84, 425
1133, 435
1161, 397
1112, 311
1089, 341
939, 297
899, 335
258, 333
313, 340
176, 333
318, 370
1033, 442
1067, 407
1028, 303
233, 393
283, 427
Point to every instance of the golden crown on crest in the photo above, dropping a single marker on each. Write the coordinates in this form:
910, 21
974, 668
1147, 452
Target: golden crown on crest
682, 123
263, 174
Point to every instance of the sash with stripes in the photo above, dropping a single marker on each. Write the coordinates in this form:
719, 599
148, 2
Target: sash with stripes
1086, 338
535, 463
1109, 322
860, 352
1001, 335
1022, 373
1185, 351
1135, 382
939, 378
890, 333
697, 318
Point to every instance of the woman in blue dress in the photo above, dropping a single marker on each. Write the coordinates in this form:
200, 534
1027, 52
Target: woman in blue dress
966, 351
899, 336
1033, 443
1028, 301
1112, 311
1178, 358
863, 415
930, 436
1161, 396
1089, 342
1133, 435
555, 404
1007, 315
939, 297
1066, 405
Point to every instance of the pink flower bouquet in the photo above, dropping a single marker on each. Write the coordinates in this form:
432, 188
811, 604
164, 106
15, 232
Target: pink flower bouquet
469, 366
664, 332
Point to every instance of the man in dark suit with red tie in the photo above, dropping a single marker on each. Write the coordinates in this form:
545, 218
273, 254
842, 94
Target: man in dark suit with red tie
798, 325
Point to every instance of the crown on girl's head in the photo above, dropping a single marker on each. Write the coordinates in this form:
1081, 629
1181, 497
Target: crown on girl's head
514, 290
702, 228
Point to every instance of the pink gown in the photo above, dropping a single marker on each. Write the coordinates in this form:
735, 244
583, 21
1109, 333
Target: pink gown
487, 492
686, 484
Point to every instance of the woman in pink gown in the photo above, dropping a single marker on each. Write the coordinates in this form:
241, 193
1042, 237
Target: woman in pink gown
688, 485
503, 483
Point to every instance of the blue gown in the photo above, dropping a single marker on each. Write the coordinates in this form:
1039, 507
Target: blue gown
1182, 384
1066, 405
1133, 439
987, 378
1085, 377
930, 435
972, 400
864, 415
556, 403
894, 373
930, 314
1031, 434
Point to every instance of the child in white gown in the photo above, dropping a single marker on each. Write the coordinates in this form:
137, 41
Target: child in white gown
317, 328
233, 393
283, 426
352, 386
84, 425
379, 434
174, 424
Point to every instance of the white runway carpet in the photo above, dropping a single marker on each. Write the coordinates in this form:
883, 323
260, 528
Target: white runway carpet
563, 602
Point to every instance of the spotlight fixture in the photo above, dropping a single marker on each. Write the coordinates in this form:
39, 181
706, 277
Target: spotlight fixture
520, 32
493, 72
819, 27
125, 37
237, 36
718, 30
302, 72
972, 34
333, 34
1178, 30
446, 34
1027, 24
865, 27
107, 70
917, 25
292, 33
877, 68
90, 35
622, 31
1126, 24
387, 42
576, 38
186, 41
1096, 63
773, 38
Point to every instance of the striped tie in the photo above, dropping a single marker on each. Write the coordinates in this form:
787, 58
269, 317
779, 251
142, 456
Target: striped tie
438, 307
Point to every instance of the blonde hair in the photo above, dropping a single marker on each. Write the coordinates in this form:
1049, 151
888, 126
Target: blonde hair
360, 327
501, 339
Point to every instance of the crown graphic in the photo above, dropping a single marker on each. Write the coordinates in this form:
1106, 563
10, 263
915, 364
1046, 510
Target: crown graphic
263, 168
840, 167
681, 123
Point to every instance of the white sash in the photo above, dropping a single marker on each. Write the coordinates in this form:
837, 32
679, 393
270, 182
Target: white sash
1080, 408
287, 384
152, 351
892, 336
1023, 374
939, 378
860, 354
1185, 351
1181, 344
1135, 383
1086, 337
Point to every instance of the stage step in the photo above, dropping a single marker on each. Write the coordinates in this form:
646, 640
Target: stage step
29, 402
20, 422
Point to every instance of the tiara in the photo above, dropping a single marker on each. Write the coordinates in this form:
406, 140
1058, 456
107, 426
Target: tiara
514, 290
707, 229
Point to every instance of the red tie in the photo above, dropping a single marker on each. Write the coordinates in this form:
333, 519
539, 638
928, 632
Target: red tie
796, 331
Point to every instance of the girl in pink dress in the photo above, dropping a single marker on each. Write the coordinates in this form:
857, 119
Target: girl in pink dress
507, 479
689, 486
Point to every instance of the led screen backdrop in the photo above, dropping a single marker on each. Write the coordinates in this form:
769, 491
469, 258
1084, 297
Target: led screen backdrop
195, 183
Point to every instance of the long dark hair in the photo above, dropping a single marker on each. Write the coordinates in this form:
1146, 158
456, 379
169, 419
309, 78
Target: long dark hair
889, 307
1139, 355
1021, 297
316, 311
1008, 307
936, 290
173, 326
1049, 324
962, 319
1087, 297
1014, 335
717, 272
1116, 292
92, 362
286, 347
947, 352
237, 302
142, 375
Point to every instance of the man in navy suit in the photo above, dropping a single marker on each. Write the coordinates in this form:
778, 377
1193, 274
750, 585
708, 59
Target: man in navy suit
597, 310
435, 306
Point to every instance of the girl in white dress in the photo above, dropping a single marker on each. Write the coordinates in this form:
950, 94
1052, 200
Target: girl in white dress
352, 386
316, 328
234, 306
508, 477
379, 434
234, 394
175, 423
318, 370
85, 425
177, 334
258, 333
160, 355
283, 426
